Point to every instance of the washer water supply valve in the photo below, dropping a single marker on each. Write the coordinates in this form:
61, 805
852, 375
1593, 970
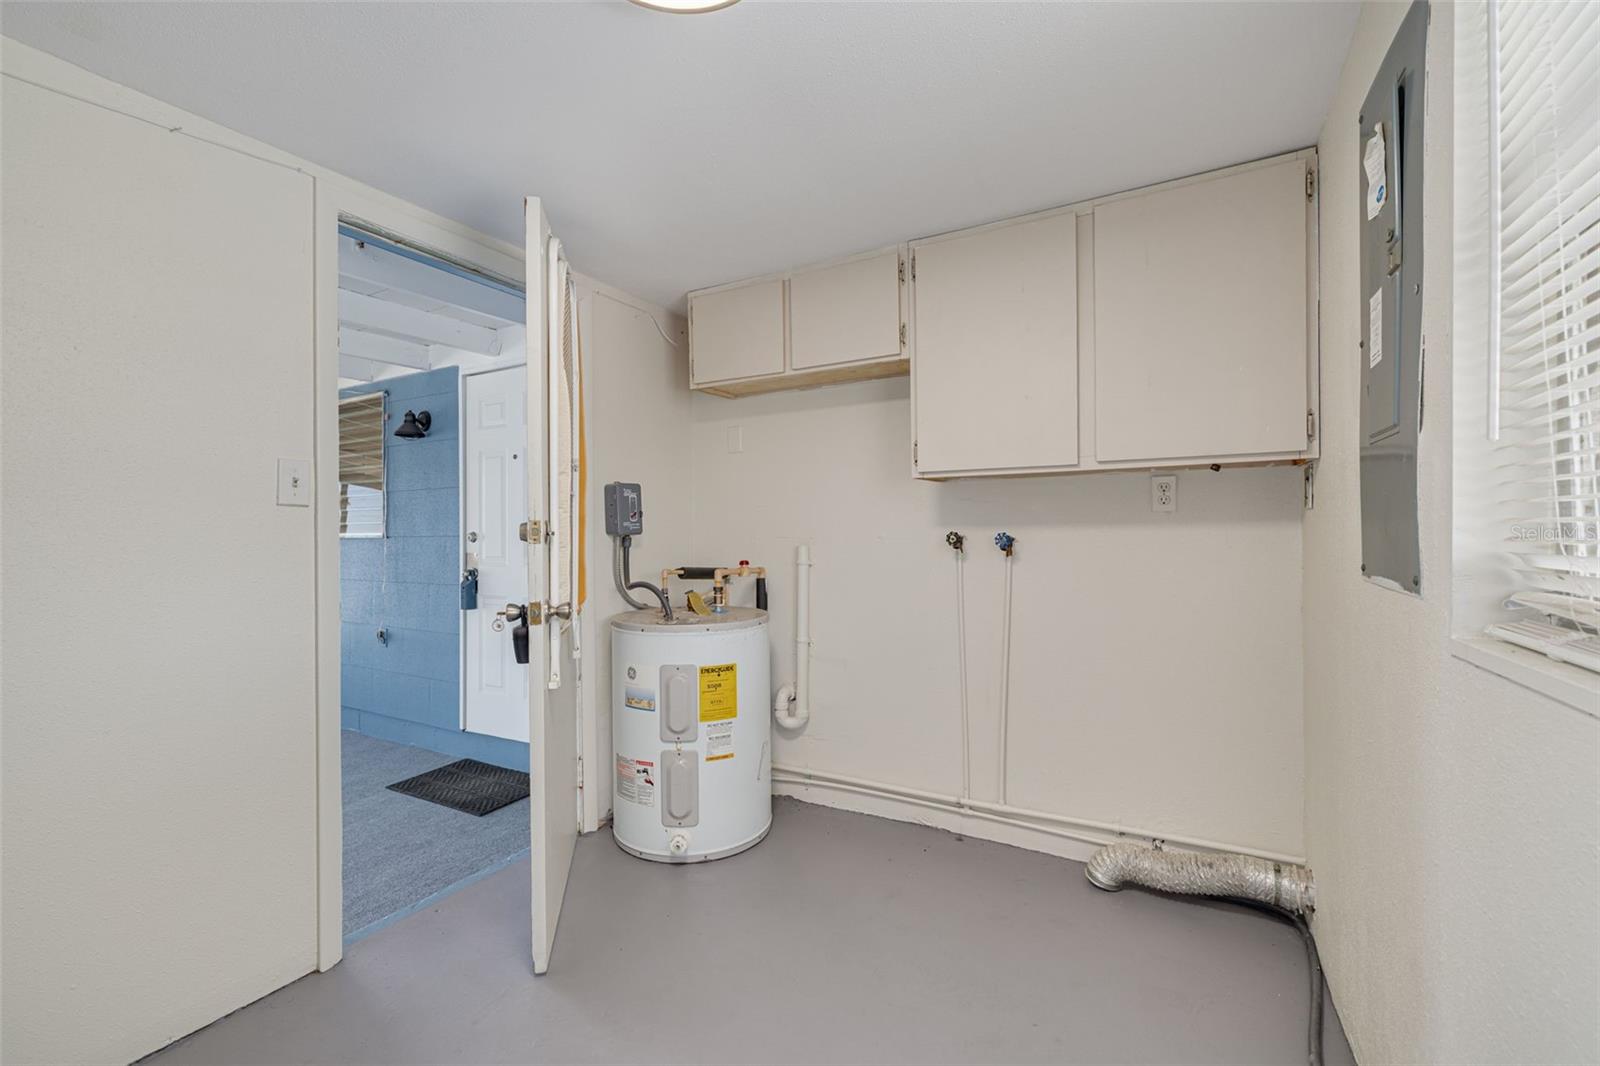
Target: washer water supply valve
1005, 541
955, 540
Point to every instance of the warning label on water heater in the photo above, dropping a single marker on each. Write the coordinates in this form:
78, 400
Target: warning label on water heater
719, 741
636, 781
719, 692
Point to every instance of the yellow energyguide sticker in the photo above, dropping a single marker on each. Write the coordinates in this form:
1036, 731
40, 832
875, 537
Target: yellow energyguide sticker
719, 692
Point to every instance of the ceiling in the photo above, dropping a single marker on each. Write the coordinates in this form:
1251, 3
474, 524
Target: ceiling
674, 152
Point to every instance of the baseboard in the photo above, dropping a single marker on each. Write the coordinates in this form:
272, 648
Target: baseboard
901, 810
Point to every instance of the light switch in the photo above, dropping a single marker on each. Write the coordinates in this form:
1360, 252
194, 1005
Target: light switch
294, 483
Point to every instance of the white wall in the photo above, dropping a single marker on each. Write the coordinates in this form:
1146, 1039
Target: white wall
159, 659
1156, 666
636, 409
1451, 815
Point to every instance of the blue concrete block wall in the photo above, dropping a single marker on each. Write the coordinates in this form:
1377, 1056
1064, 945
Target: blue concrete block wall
408, 583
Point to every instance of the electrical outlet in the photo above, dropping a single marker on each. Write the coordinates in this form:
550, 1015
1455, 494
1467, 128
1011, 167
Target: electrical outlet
1164, 492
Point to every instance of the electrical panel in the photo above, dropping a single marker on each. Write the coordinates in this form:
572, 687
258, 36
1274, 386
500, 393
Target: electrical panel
1390, 345
624, 510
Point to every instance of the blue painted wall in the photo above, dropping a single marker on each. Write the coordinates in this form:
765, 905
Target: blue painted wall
408, 582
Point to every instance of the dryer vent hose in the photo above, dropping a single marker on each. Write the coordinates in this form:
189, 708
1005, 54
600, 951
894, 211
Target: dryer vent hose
1277, 884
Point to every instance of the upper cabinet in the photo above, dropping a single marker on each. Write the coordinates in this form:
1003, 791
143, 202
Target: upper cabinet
1201, 323
1172, 326
848, 312
842, 321
995, 378
737, 332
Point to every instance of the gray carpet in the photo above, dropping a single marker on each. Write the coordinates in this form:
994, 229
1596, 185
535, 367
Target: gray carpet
400, 851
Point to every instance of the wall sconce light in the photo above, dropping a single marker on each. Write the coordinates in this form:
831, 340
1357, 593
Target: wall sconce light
414, 426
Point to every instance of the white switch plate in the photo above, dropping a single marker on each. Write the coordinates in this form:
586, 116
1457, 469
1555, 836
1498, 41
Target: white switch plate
1164, 492
294, 482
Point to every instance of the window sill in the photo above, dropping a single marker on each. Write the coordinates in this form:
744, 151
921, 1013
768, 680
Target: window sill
1576, 687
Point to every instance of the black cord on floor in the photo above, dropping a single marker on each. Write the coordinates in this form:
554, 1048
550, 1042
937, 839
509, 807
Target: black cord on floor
1314, 1027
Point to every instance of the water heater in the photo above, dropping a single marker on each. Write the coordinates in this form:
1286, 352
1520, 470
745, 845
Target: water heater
691, 733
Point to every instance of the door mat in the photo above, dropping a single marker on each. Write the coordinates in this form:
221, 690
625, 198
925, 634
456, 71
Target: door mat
467, 785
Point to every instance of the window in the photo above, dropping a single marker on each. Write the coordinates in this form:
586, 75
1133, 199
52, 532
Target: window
361, 465
1544, 323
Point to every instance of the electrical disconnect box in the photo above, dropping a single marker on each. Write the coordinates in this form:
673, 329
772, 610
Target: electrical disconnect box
1390, 346
624, 511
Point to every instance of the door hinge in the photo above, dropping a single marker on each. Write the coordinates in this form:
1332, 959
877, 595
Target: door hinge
531, 531
1311, 184
1311, 425
902, 334
913, 266
902, 271
913, 453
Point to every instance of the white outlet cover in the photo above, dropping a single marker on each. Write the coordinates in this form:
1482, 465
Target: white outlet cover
1164, 493
294, 482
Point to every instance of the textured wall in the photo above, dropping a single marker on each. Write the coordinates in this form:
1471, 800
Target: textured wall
1155, 666
159, 664
1451, 814
408, 582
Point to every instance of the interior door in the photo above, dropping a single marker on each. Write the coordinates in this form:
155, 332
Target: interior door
494, 440
552, 689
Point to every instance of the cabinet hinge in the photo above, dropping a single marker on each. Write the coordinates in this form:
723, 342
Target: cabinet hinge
1311, 184
902, 334
1311, 425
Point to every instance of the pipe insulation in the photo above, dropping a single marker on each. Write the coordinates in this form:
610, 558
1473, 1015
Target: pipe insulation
1285, 886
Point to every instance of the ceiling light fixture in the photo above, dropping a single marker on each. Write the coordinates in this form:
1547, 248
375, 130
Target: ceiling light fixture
685, 7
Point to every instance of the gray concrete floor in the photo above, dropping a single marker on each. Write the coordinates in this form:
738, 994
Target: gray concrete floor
841, 938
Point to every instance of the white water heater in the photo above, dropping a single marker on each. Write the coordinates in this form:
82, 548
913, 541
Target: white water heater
691, 733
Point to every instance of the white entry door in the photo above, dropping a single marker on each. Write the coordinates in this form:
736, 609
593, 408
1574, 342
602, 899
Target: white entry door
494, 445
552, 689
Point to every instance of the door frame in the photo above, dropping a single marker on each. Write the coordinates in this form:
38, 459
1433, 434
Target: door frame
337, 201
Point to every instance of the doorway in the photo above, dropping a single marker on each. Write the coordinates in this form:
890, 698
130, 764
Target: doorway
432, 481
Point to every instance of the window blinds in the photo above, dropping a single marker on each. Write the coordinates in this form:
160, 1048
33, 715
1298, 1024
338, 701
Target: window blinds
1545, 368
361, 466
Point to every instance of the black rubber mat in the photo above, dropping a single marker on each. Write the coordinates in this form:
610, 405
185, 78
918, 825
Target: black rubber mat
467, 785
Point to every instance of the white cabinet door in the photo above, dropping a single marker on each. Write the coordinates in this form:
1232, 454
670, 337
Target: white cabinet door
1200, 296
995, 361
736, 332
845, 313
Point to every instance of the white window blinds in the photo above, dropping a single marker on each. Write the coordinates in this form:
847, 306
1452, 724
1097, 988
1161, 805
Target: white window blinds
1545, 367
361, 466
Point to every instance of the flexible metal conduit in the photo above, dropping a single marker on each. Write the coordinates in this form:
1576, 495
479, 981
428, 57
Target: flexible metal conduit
1286, 886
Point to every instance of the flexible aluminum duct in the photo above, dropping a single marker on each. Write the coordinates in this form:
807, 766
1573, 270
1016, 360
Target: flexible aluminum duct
1277, 884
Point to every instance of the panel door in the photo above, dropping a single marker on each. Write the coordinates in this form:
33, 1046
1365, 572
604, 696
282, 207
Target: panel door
994, 364
1200, 296
737, 332
552, 690
495, 457
845, 313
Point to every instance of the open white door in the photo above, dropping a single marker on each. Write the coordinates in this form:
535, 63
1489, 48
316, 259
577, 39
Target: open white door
552, 691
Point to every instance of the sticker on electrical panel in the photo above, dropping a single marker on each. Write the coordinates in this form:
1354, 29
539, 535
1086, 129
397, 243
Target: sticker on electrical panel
719, 692
1375, 329
719, 741
640, 699
1377, 168
636, 781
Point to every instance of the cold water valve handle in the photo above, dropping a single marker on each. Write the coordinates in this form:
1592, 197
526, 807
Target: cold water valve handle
1005, 542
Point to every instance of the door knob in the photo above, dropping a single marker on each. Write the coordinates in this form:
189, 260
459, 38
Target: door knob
472, 536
